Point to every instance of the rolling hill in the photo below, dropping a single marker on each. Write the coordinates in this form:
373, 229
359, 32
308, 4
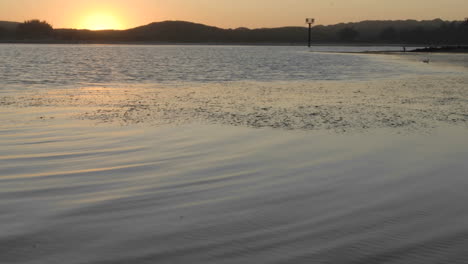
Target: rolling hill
400, 31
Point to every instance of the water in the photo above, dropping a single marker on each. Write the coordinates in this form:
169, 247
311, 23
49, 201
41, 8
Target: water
113, 65
255, 155
202, 194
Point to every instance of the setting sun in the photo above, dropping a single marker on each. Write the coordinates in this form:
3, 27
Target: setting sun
100, 21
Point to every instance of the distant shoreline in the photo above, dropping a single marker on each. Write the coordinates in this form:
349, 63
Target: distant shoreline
162, 43
401, 33
444, 49
413, 48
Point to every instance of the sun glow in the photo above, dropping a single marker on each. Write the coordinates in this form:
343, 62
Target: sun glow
100, 21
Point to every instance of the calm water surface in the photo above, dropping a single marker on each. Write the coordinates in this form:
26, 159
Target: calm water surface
71, 193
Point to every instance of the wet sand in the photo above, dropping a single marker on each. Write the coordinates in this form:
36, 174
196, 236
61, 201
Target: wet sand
414, 103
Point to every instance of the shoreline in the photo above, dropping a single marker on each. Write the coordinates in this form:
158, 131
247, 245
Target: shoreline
162, 43
417, 48
443, 49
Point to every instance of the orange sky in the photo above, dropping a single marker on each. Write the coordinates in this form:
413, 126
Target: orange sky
121, 14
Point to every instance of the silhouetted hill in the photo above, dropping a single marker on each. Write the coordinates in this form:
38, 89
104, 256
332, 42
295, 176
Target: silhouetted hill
431, 32
175, 31
181, 31
400, 31
9, 25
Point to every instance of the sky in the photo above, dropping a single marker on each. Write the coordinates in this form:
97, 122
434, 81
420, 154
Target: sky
122, 14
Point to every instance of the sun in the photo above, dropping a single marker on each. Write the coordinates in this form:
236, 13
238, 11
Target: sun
100, 21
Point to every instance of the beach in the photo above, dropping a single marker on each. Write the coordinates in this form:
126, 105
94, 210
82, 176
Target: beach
347, 169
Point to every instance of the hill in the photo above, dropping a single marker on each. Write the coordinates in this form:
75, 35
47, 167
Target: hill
178, 31
399, 31
8, 25
428, 32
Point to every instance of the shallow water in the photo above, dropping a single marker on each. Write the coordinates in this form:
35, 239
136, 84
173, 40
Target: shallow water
75, 193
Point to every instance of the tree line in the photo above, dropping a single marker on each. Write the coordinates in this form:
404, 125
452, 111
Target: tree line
448, 33
30, 29
434, 32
